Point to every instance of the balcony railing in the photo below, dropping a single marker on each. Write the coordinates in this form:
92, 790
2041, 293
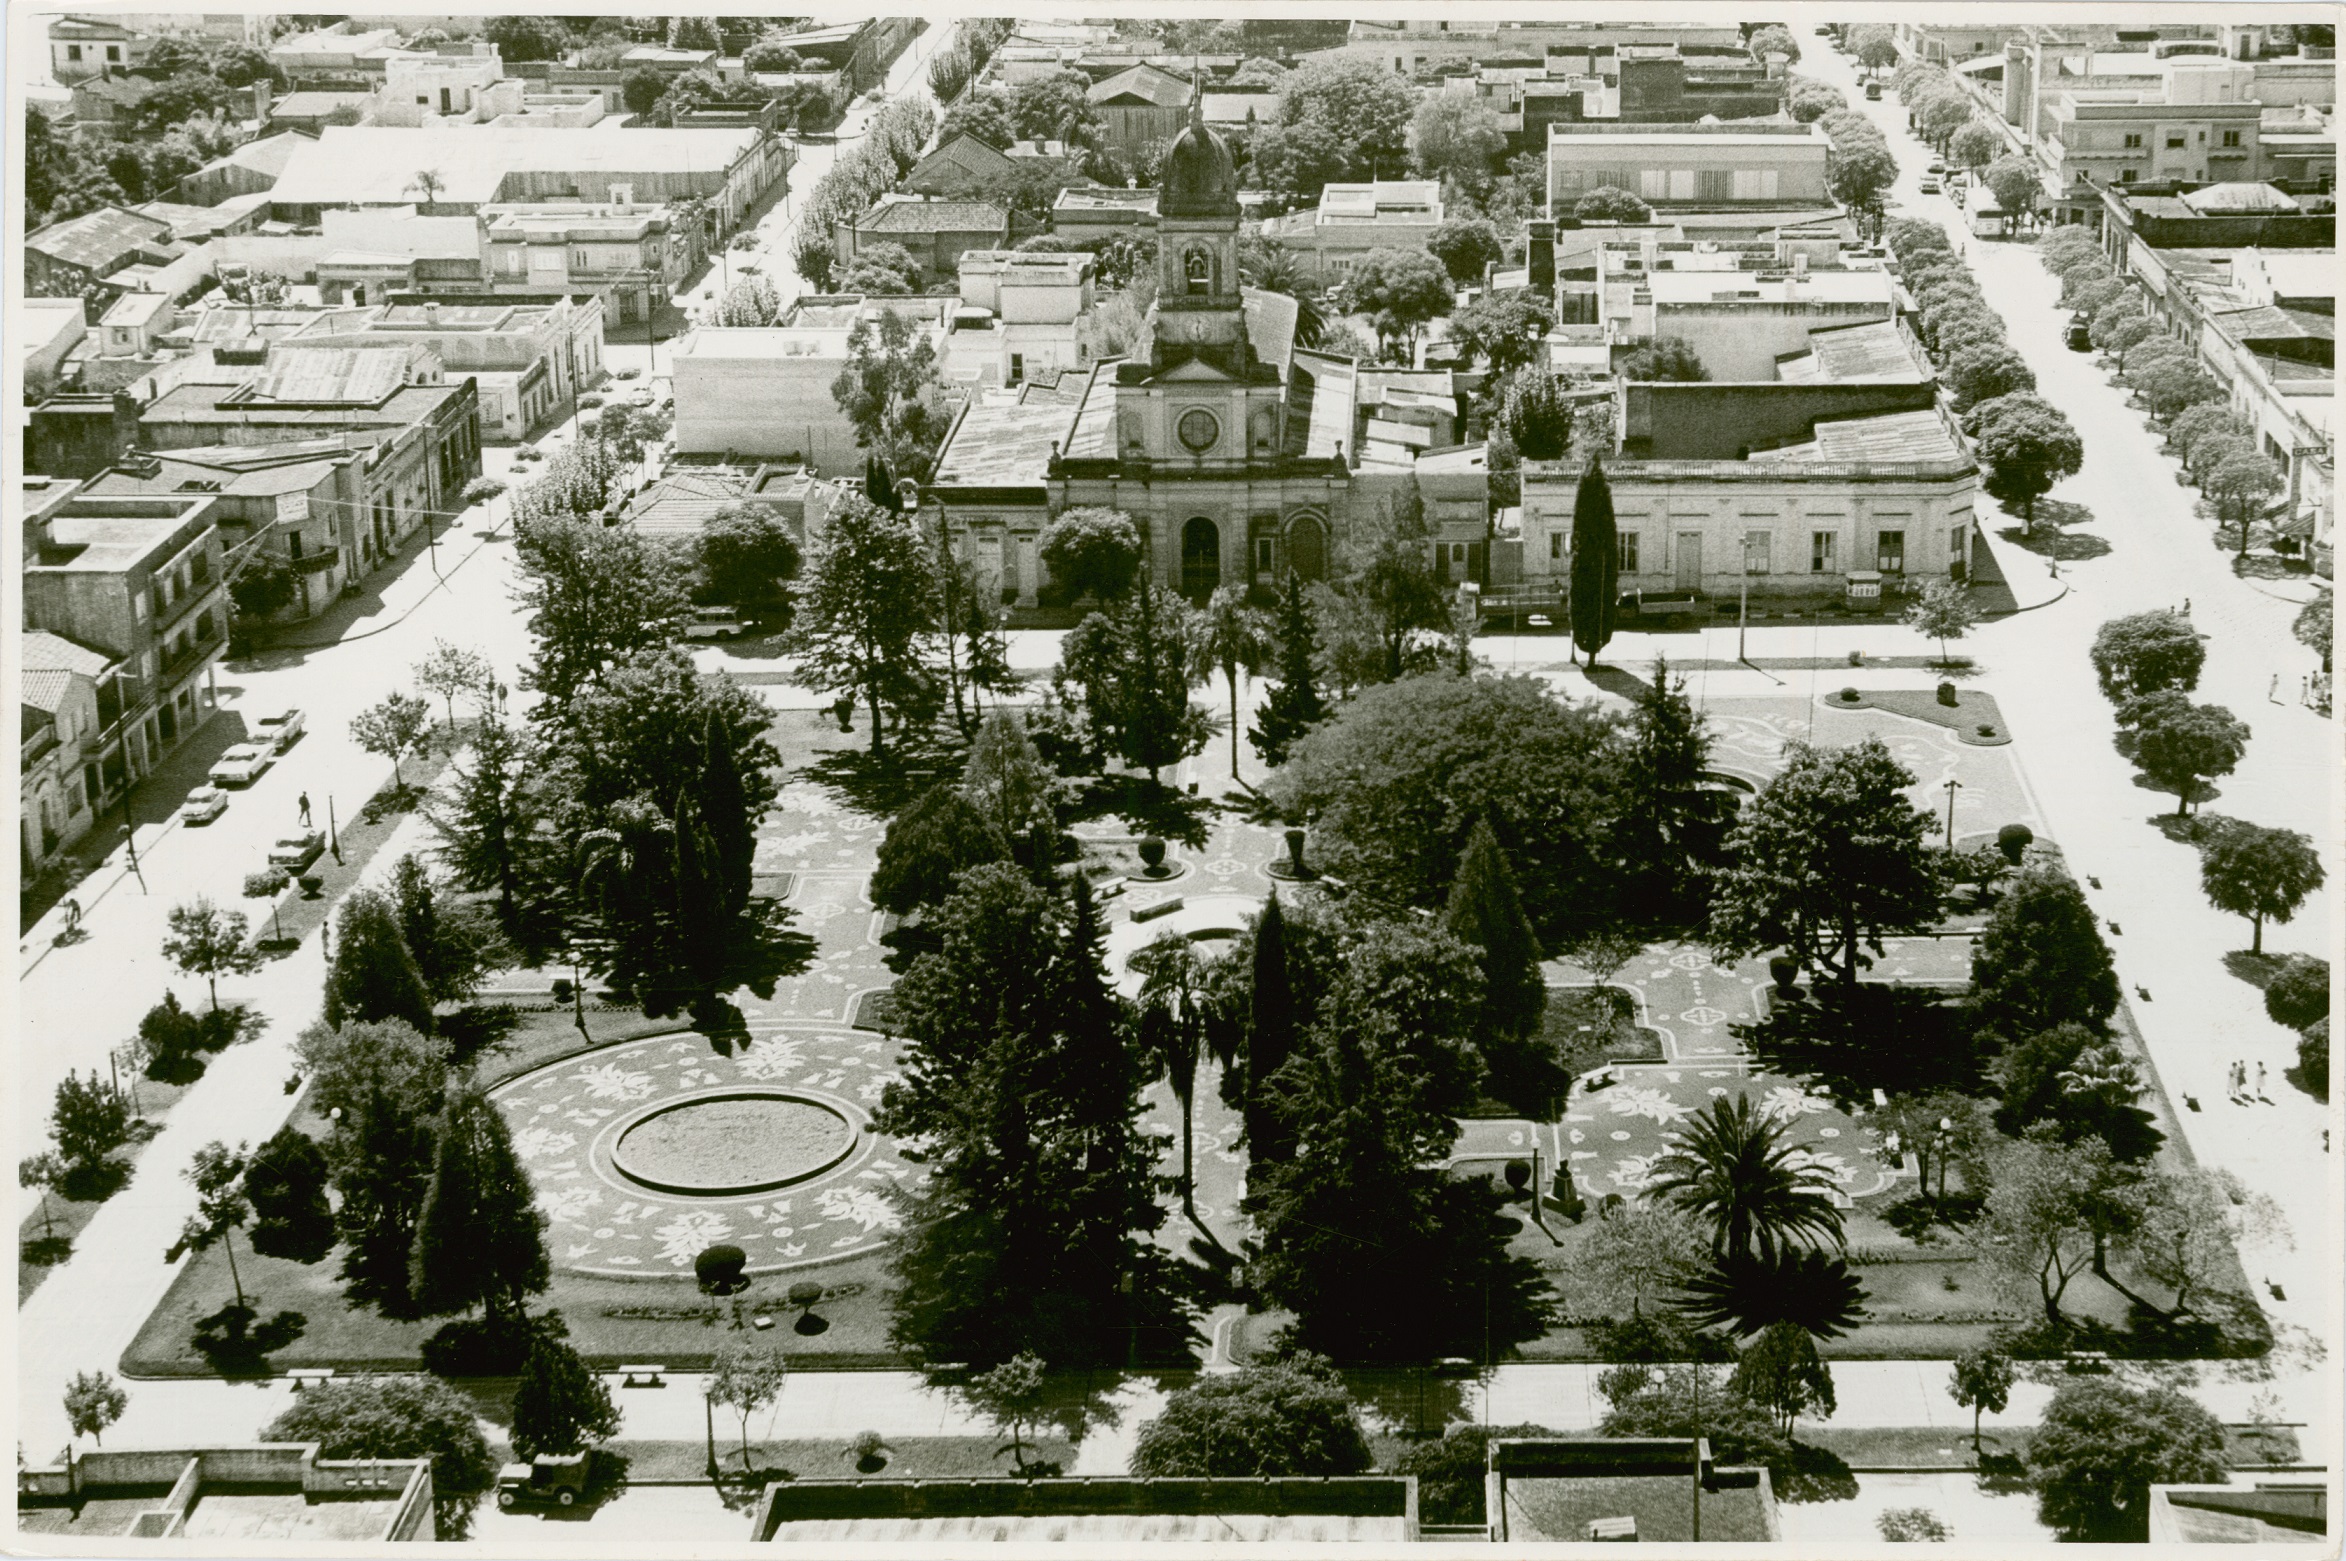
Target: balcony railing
187, 659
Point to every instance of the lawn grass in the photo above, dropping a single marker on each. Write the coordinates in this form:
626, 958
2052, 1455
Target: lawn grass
1971, 711
909, 1457
44, 1241
1588, 1030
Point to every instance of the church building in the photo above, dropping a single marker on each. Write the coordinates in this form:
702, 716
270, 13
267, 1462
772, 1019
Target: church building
1241, 454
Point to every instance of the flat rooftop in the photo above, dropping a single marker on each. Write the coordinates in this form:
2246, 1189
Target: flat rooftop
1241, 1528
376, 165
1894, 436
1875, 352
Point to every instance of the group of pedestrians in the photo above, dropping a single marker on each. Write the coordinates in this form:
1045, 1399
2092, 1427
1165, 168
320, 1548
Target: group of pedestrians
2236, 1084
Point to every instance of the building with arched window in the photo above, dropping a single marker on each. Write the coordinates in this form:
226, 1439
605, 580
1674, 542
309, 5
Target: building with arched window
1242, 454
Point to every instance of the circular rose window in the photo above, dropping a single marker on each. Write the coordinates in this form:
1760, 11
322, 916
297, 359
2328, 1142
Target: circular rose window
1198, 429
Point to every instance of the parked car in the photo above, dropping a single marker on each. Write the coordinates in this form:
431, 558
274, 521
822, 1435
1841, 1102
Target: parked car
1937, 165
296, 851
1873, 92
203, 805
1930, 184
627, 373
242, 764
2079, 334
280, 731
641, 396
1955, 192
715, 623
560, 1479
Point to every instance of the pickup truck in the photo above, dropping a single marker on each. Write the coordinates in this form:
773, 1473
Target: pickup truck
295, 852
242, 764
280, 731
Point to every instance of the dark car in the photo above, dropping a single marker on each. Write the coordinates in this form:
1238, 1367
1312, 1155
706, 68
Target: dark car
2079, 335
560, 1480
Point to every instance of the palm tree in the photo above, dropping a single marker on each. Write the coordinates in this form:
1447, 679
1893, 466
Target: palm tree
1274, 268
1173, 1031
1237, 639
1731, 1168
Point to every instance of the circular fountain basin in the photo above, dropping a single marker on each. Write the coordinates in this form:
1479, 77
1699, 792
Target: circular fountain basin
733, 1142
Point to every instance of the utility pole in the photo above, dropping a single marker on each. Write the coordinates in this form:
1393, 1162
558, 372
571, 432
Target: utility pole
1696, 1450
1742, 616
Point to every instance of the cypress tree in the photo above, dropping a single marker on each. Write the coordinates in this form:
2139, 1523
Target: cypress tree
1671, 831
559, 1405
374, 975
1270, 1037
480, 1240
725, 811
1596, 562
1485, 911
1291, 704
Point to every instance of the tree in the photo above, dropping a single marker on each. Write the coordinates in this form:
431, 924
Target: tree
641, 90
2028, 446
209, 942
1291, 704
1392, 583
393, 727
2299, 993
1730, 1168
1858, 172
1012, 1396
748, 558
1056, 107
596, 594
454, 942
1537, 415
2016, 185
1022, 1084
1396, 779
381, 1085
1092, 551
1981, 1381
929, 845
2041, 961
263, 588
527, 37
1610, 203
2172, 385
2036, 1231
1005, 780
1983, 373
1666, 360
218, 1175
1466, 246
47, 1173
374, 975
1828, 860
1457, 136
1363, 110
491, 813
2082, 1086
1671, 830
881, 270
1773, 38
2103, 1445
745, 1377
560, 1406
169, 1041
479, 1238
2208, 419
1596, 563
1400, 288
1780, 1372
1944, 611
2260, 873
2180, 745
2122, 333
1486, 913
1634, 1259
1975, 145
1235, 640
1503, 329
451, 670
285, 1182
983, 115
867, 616
2185, 1236
2312, 627
888, 391
414, 1416
2145, 652
1136, 662
1289, 1418
88, 1121
94, 1401
2240, 486
1688, 1401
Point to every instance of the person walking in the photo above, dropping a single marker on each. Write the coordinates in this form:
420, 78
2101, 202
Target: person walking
2235, 1081
2260, 1085
2273, 693
305, 810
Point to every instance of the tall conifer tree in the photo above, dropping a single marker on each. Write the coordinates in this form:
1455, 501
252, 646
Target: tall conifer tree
1270, 1037
1596, 562
480, 1240
1291, 704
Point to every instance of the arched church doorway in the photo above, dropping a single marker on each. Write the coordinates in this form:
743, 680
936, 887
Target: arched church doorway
1307, 548
1201, 558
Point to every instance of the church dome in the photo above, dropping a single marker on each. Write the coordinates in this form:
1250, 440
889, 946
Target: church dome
1199, 179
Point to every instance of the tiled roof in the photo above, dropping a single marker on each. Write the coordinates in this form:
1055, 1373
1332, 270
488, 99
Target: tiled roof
1897, 436
2269, 322
39, 650
96, 240
2239, 195
933, 217
43, 689
1003, 446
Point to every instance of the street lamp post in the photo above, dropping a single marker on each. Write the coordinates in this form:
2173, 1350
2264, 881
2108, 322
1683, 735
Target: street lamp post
1953, 786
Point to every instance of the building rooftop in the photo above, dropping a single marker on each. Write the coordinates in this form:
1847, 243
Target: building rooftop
1876, 351
1895, 436
136, 309
98, 238
685, 499
39, 651
316, 105
1822, 285
1004, 446
2269, 1512
235, 471
1748, 131
1094, 1510
1144, 83
111, 534
376, 165
932, 216
2275, 322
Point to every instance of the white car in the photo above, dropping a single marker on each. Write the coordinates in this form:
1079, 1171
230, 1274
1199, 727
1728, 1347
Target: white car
295, 852
203, 805
242, 765
280, 731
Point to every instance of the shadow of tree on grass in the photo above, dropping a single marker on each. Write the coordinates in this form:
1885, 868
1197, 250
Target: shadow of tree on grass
236, 1347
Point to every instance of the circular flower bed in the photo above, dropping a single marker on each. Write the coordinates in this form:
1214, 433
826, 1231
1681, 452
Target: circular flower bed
734, 1143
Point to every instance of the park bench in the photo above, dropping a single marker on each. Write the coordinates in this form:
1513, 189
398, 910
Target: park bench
306, 1375
643, 1376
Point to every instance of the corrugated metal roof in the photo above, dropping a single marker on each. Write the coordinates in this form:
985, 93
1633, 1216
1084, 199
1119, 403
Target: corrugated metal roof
39, 649
361, 376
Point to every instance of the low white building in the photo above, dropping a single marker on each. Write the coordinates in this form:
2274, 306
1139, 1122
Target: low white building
1353, 219
1035, 300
